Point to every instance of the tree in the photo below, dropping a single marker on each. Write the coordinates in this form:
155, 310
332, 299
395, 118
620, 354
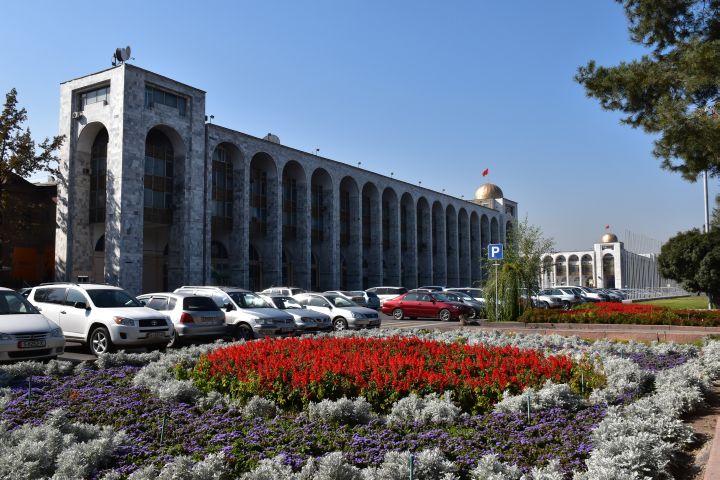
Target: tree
19, 155
693, 259
520, 271
667, 91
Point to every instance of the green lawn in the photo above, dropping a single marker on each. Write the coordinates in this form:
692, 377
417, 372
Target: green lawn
682, 302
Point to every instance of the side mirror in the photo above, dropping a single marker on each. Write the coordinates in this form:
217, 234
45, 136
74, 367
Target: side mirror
82, 305
229, 307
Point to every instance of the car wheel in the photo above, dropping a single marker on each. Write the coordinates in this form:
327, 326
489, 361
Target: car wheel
99, 341
445, 315
566, 305
472, 315
543, 305
398, 314
175, 341
340, 324
243, 332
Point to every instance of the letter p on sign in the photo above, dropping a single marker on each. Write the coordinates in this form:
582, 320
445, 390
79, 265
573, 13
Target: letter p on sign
495, 251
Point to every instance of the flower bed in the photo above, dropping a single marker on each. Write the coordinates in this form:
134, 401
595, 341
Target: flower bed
624, 313
294, 372
137, 416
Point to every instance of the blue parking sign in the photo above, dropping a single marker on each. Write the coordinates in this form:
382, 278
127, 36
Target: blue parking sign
495, 251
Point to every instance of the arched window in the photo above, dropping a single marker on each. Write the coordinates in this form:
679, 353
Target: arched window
255, 269
314, 274
98, 177
609, 271
158, 178
288, 274
222, 184
220, 268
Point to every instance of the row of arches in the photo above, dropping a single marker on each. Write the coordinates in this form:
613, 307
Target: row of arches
577, 269
272, 224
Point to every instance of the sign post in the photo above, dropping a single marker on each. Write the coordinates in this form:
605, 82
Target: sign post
495, 252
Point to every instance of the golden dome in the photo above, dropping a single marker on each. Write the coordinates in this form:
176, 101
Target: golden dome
609, 238
488, 191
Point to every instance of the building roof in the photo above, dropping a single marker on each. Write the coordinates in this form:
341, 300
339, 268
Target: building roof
488, 191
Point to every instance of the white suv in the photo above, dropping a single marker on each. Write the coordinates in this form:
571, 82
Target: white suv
247, 315
101, 316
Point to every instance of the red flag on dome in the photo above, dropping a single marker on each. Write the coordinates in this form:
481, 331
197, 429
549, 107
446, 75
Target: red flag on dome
607, 226
485, 172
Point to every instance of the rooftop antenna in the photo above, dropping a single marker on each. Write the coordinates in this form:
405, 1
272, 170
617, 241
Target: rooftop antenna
121, 55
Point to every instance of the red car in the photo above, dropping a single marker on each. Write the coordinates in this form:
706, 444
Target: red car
425, 304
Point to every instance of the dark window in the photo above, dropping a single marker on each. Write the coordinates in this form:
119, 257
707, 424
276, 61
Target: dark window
411, 297
317, 213
222, 183
258, 201
101, 94
98, 177
74, 296
158, 177
50, 295
171, 304
290, 208
158, 303
199, 303
155, 95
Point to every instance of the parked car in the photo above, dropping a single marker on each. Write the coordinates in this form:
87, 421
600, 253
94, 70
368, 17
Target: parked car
247, 315
567, 297
344, 313
102, 317
357, 297
458, 296
386, 293
195, 318
426, 305
285, 291
592, 294
25, 334
477, 293
546, 301
306, 321
432, 288
613, 295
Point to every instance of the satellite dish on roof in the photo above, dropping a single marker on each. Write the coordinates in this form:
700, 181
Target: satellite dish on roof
121, 55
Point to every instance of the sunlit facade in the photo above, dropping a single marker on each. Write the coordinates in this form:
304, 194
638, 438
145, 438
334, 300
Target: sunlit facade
152, 196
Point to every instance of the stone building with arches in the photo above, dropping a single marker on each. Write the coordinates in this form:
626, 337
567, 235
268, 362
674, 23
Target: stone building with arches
608, 265
151, 197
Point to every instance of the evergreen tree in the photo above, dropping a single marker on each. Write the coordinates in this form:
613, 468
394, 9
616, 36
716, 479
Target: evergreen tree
672, 91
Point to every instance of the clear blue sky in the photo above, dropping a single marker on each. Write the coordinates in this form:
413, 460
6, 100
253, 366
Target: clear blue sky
433, 91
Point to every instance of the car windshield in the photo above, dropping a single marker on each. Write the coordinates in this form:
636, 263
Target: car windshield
12, 303
284, 303
249, 300
111, 298
340, 301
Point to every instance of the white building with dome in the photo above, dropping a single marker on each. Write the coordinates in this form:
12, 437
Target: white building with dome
608, 265
152, 196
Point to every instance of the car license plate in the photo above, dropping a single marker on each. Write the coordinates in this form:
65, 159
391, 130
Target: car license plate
155, 334
31, 343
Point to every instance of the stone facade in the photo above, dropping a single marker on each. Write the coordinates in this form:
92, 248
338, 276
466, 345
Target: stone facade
188, 202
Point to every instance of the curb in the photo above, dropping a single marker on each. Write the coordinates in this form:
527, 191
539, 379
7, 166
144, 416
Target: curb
712, 467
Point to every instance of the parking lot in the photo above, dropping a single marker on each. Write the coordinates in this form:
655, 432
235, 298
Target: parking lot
76, 352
